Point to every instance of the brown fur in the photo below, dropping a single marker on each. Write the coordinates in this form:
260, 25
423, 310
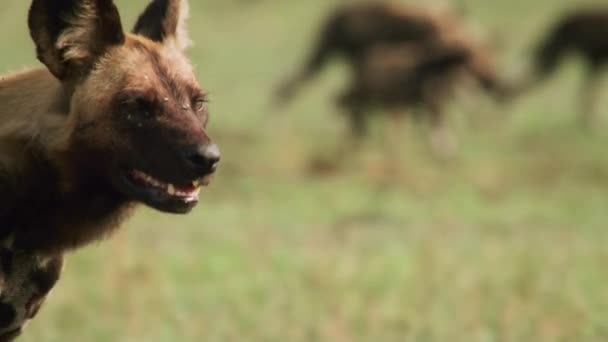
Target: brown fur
107, 102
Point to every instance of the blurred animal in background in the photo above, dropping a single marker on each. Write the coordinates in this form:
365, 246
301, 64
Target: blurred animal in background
113, 120
352, 30
400, 56
583, 33
401, 77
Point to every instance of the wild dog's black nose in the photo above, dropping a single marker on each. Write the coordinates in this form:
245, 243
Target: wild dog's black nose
204, 159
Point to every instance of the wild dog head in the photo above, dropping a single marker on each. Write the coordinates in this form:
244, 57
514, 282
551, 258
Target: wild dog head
137, 116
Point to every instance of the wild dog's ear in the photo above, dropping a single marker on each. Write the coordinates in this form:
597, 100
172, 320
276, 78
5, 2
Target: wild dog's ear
70, 35
165, 20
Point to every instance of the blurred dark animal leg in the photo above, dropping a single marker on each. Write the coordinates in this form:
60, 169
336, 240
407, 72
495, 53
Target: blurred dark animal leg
394, 140
442, 141
358, 126
358, 123
589, 97
396, 128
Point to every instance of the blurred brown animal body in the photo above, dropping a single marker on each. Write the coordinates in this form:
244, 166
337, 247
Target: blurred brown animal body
396, 54
583, 33
352, 30
113, 120
398, 78
401, 77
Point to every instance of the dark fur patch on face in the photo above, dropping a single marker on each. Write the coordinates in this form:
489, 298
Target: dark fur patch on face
11, 335
7, 315
6, 261
46, 277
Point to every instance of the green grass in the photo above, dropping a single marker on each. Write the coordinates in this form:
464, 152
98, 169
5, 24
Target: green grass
507, 242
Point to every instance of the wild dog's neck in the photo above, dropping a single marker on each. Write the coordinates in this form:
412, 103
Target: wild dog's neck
60, 218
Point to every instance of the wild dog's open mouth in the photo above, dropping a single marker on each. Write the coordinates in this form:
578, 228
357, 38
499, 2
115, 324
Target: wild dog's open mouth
179, 198
186, 191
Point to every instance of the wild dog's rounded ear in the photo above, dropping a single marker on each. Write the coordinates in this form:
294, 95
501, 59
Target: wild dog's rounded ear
71, 34
163, 21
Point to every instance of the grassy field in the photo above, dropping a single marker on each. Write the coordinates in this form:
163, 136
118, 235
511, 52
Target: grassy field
507, 242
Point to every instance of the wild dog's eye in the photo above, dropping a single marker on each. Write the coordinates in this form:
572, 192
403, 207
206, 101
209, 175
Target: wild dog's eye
145, 113
200, 104
143, 108
137, 109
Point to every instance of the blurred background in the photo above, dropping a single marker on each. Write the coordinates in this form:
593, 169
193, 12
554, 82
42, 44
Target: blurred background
505, 241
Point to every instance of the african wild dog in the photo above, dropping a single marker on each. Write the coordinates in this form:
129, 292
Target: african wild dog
397, 55
584, 33
113, 120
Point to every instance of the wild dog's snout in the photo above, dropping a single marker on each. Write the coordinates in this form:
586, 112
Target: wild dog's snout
204, 159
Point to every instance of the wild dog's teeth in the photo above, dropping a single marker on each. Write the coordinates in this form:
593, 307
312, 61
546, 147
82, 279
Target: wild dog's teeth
171, 190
